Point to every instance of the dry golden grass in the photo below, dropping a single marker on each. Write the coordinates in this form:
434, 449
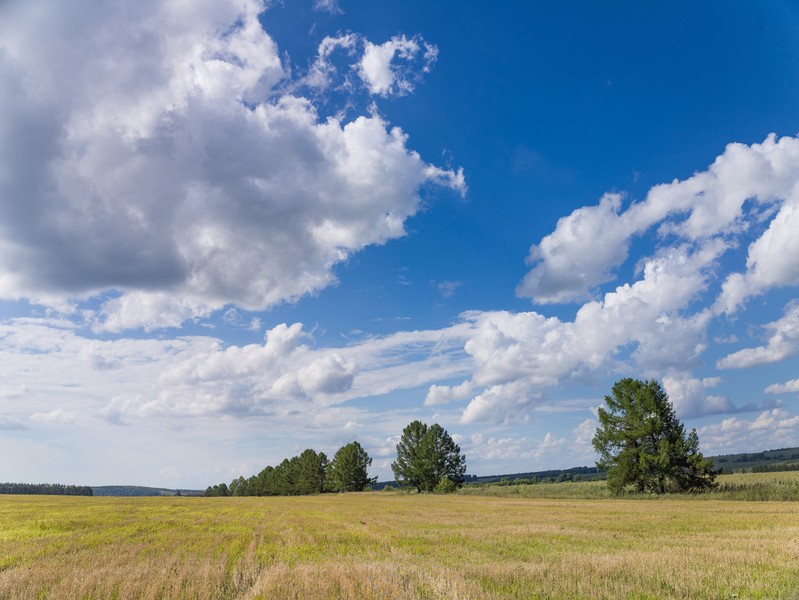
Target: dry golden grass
384, 545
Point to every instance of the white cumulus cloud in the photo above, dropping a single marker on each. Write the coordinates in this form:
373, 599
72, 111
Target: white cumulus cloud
149, 148
519, 356
723, 200
578, 255
442, 394
772, 260
789, 387
689, 396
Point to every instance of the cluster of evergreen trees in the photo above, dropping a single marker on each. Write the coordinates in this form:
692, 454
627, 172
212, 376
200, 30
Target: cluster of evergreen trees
53, 489
309, 473
427, 460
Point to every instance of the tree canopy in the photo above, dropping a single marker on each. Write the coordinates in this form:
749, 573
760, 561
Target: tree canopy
348, 469
642, 444
308, 473
425, 456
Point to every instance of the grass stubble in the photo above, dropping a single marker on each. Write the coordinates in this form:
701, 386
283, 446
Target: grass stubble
388, 545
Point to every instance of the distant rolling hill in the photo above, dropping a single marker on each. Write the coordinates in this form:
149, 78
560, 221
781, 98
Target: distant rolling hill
781, 459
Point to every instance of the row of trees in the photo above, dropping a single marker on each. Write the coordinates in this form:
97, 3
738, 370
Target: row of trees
641, 443
52, 489
308, 473
427, 460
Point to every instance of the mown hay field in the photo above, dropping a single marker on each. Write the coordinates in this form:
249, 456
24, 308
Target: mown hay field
388, 545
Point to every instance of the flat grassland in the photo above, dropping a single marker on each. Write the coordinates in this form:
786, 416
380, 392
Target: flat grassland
389, 545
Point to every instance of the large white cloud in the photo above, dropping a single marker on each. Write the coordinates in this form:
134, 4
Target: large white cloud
148, 147
656, 326
442, 394
578, 255
739, 188
643, 326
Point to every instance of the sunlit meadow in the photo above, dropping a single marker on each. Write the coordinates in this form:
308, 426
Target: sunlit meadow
391, 545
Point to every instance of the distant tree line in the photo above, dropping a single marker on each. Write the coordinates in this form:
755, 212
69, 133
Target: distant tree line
308, 473
775, 468
563, 477
758, 456
51, 489
548, 476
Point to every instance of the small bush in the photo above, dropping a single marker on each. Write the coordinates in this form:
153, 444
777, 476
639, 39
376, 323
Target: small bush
446, 486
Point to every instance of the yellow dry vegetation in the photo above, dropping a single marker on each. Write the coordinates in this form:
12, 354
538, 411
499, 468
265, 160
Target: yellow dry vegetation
388, 545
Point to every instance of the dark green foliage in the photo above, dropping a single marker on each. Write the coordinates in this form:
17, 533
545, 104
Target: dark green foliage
238, 487
642, 444
220, 489
299, 475
775, 468
409, 466
425, 455
53, 489
348, 470
283, 481
262, 481
311, 472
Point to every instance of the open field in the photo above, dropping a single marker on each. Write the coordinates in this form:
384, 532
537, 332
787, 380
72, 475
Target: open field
388, 545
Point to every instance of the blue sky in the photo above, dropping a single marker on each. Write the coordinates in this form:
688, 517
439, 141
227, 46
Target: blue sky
229, 232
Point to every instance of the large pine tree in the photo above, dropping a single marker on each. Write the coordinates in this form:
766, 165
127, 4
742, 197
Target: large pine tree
642, 444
